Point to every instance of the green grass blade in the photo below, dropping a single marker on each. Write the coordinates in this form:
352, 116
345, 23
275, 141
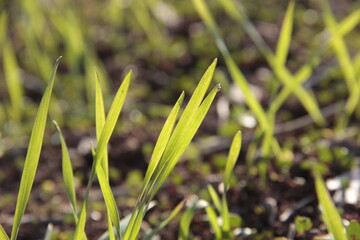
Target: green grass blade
214, 197
109, 200
174, 213
163, 139
160, 146
100, 122
349, 23
68, 173
182, 138
285, 35
330, 214
225, 217
112, 117
106, 132
33, 154
235, 72
80, 225
3, 234
232, 158
210, 212
13, 81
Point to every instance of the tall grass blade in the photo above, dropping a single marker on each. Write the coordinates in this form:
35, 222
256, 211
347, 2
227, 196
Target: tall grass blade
13, 81
33, 154
235, 72
3, 234
232, 158
100, 122
180, 138
104, 138
210, 212
160, 146
67, 173
214, 197
330, 214
285, 35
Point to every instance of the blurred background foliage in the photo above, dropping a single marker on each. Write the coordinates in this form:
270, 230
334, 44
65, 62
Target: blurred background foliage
168, 47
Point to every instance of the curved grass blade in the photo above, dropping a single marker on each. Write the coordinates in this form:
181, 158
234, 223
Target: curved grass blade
285, 35
104, 138
67, 173
214, 197
33, 154
232, 158
3, 234
100, 122
330, 214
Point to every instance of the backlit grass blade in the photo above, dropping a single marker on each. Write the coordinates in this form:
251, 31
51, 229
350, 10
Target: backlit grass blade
285, 35
183, 136
235, 72
160, 146
214, 197
225, 216
211, 214
180, 138
33, 154
100, 121
232, 158
106, 132
174, 213
109, 200
280, 70
330, 214
3, 234
13, 81
67, 173
163, 139
344, 59
349, 23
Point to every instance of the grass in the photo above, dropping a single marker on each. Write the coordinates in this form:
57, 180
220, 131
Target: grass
309, 67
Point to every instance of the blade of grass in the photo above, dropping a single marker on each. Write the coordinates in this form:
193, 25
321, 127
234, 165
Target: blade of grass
214, 197
33, 154
181, 137
285, 35
13, 81
232, 158
100, 122
210, 212
344, 59
106, 132
330, 214
235, 72
155, 158
3, 234
67, 173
